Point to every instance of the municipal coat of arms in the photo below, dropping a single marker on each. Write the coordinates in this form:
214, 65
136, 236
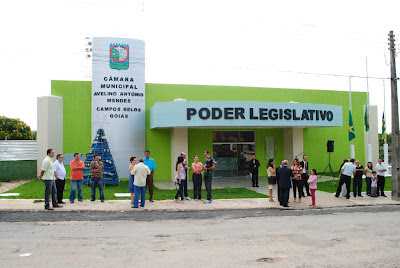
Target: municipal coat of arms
119, 56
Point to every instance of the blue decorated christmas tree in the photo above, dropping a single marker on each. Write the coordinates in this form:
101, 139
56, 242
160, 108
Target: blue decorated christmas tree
100, 147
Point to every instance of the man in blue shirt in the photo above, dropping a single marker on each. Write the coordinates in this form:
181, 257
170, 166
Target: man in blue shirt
209, 166
152, 166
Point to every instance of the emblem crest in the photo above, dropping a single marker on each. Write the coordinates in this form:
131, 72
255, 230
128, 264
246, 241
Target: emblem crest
119, 56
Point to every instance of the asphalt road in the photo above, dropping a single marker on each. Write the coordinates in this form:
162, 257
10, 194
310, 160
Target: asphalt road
341, 237
54, 216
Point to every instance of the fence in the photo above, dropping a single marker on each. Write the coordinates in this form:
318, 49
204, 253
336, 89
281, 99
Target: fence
15, 150
18, 160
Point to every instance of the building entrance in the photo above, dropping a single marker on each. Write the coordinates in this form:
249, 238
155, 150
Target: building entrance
232, 151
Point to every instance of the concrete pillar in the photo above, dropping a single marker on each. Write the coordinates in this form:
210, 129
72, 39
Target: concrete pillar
292, 143
49, 127
374, 139
179, 144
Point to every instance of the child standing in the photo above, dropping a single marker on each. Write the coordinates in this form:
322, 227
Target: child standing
312, 181
374, 185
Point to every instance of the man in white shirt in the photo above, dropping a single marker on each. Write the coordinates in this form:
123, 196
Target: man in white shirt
59, 174
140, 171
47, 175
380, 172
347, 170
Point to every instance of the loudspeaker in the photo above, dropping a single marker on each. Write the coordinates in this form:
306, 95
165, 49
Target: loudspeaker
330, 146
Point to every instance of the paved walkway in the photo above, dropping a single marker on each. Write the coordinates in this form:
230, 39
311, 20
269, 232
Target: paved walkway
323, 200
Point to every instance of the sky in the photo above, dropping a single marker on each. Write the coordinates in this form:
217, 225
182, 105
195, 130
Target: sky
279, 44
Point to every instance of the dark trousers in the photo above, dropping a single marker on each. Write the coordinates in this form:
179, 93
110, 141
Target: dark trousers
297, 185
357, 185
304, 178
197, 181
185, 187
60, 185
50, 189
346, 180
374, 191
368, 180
278, 191
284, 196
97, 183
254, 178
149, 185
381, 185
208, 183
179, 193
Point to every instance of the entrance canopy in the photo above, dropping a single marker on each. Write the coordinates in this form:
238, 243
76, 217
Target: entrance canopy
244, 114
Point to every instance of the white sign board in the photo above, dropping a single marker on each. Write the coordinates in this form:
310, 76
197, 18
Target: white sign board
118, 97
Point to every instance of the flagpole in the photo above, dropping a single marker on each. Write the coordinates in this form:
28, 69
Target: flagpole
366, 67
352, 154
369, 146
384, 107
385, 145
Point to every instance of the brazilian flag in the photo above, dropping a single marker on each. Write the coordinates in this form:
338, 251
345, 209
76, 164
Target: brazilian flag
366, 118
383, 137
352, 134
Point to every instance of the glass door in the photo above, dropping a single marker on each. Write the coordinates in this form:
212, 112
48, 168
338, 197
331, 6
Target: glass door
232, 151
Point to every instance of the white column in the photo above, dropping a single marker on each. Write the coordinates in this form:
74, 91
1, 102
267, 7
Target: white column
352, 151
292, 143
386, 160
179, 144
371, 149
49, 127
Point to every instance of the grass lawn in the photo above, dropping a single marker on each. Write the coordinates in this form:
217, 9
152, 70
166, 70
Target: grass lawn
331, 186
35, 190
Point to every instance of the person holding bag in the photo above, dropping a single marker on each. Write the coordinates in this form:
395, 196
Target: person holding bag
181, 176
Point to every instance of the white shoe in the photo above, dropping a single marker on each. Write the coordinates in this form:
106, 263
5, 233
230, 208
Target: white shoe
207, 202
187, 198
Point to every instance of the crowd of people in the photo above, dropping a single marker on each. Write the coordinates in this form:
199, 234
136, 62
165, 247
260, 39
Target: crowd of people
141, 173
283, 178
375, 179
54, 176
182, 167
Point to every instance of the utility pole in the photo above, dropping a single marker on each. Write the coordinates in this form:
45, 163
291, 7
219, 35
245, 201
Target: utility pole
395, 121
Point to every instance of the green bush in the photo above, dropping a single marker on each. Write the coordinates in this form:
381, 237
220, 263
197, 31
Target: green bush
17, 170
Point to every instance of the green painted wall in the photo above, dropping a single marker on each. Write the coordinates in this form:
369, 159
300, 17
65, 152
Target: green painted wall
77, 106
77, 121
314, 138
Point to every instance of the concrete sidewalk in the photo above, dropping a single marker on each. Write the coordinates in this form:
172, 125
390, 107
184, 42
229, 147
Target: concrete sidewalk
233, 182
323, 200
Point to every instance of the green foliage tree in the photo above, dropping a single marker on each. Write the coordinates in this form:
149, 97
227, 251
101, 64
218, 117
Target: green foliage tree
14, 129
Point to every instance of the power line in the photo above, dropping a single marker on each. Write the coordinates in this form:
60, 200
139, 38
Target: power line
337, 75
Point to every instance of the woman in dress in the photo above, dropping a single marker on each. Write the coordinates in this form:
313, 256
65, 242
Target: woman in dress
181, 176
131, 178
296, 181
271, 178
312, 181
